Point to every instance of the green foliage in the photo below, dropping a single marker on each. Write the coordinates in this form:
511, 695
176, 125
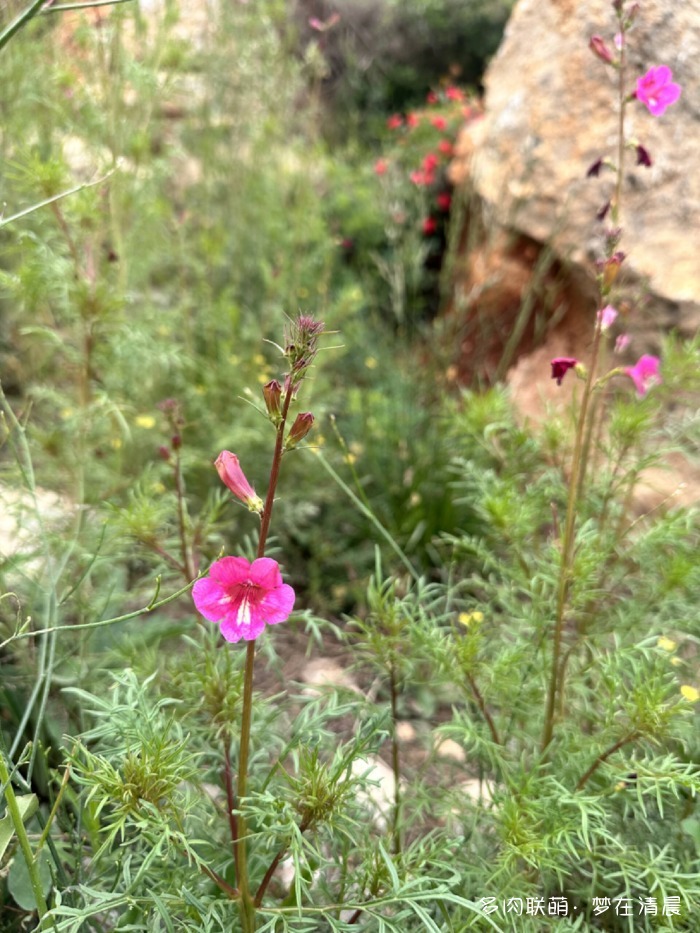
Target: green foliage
139, 314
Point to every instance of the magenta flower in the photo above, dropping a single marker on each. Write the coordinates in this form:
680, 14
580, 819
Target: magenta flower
656, 90
561, 365
231, 474
243, 598
645, 373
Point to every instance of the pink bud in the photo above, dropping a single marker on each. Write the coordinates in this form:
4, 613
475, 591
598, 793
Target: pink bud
598, 47
272, 393
233, 477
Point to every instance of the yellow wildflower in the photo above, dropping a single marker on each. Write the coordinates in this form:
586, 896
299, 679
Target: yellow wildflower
666, 643
466, 618
690, 693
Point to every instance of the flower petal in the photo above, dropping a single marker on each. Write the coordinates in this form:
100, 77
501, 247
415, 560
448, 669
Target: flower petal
230, 571
210, 599
265, 572
277, 604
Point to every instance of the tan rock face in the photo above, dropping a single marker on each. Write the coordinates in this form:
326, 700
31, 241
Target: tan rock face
551, 112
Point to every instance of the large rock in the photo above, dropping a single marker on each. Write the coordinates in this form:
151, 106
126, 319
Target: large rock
550, 112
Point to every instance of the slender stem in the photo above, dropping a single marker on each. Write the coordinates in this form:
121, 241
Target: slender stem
29, 857
247, 902
260, 893
29, 13
395, 761
630, 737
567, 551
230, 798
187, 558
484, 711
581, 445
615, 207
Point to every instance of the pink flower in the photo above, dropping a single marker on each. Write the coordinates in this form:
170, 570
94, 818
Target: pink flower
430, 162
418, 178
243, 597
445, 147
606, 317
429, 226
645, 373
232, 475
395, 121
561, 365
454, 93
656, 90
439, 123
380, 167
432, 97
412, 120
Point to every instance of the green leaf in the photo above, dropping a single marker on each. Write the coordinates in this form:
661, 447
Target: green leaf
27, 805
19, 883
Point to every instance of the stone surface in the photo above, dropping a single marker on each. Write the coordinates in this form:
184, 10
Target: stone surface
550, 112
531, 236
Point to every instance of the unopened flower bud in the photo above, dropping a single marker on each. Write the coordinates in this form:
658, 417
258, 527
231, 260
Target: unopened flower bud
164, 452
301, 427
233, 477
598, 47
611, 268
176, 441
643, 157
272, 393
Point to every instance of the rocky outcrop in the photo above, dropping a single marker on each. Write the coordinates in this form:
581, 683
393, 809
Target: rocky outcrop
550, 113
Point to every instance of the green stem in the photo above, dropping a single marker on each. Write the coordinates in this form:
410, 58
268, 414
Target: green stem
616, 746
395, 762
556, 685
18, 824
247, 901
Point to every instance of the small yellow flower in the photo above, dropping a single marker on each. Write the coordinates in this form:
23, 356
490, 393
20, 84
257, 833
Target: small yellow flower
145, 421
350, 458
466, 618
259, 359
116, 443
263, 378
667, 644
158, 489
676, 661
302, 292
66, 413
371, 362
690, 693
